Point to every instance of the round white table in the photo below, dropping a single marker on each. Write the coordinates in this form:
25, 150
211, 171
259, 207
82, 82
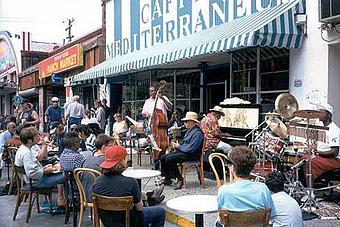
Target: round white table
198, 204
140, 174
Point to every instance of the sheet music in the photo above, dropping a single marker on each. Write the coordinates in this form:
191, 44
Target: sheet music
135, 123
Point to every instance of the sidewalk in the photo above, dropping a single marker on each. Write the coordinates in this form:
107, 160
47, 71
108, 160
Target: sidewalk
7, 204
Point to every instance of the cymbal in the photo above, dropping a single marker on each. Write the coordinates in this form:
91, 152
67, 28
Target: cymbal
286, 104
309, 114
302, 125
278, 127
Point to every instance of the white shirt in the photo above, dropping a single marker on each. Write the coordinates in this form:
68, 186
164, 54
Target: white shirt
332, 139
75, 109
33, 169
150, 104
119, 127
288, 212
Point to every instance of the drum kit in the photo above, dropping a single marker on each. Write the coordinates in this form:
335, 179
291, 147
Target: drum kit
285, 143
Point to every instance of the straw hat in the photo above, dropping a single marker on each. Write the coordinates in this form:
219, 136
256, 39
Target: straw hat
190, 116
217, 109
55, 99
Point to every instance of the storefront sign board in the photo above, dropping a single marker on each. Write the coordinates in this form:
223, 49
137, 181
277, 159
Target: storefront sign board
67, 59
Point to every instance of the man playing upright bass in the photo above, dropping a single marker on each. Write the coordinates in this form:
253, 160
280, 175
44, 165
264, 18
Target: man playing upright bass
155, 109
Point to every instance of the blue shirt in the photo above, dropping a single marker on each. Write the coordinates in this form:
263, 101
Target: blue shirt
54, 113
192, 141
245, 195
4, 137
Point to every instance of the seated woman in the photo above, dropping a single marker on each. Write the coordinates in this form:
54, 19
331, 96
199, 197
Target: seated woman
113, 183
119, 128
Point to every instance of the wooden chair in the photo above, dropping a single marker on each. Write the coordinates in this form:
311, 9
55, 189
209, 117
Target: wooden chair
122, 203
247, 218
223, 159
71, 194
78, 173
32, 193
198, 165
11, 151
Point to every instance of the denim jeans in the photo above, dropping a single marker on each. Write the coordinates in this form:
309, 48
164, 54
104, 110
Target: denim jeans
73, 120
50, 180
153, 216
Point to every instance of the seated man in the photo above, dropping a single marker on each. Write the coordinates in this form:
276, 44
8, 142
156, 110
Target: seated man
288, 212
113, 183
243, 194
70, 159
328, 153
4, 137
15, 141
189, 149
212, 131
42, 177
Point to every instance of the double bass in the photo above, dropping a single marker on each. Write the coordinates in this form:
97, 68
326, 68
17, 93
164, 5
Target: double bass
157, 127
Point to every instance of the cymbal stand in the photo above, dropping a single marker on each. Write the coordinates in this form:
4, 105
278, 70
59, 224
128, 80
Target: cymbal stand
262, 154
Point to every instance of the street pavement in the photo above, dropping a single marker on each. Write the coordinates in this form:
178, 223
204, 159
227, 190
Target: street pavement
7, 204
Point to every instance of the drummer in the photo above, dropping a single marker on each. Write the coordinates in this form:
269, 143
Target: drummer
212, 131
328, 155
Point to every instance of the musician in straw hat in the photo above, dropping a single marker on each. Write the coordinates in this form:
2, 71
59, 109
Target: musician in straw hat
212, 131
189, 149
328, 155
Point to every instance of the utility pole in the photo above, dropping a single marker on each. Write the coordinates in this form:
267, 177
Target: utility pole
68, 29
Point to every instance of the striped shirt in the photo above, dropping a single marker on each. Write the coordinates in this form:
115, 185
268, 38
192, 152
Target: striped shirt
90, 143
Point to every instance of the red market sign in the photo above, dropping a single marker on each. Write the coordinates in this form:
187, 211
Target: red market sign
68, 59
27, 82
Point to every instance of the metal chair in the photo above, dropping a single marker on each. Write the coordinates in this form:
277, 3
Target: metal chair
246, 218
198, 165
123, 203
71, 194
223, 159
33, 194
84, 202
11, 151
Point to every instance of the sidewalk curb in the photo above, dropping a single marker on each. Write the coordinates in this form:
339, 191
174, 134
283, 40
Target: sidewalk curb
178, 220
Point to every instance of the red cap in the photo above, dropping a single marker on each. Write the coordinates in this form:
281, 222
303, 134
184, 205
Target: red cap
113, 155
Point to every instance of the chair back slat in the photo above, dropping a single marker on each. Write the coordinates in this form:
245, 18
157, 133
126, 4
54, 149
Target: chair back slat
222, 158
78, 174
247, 218
121, 203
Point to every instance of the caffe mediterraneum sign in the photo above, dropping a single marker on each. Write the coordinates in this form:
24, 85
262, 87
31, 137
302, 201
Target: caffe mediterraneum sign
67, 59
139, 24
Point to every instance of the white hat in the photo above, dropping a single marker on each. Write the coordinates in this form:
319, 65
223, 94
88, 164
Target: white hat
326, 107
190, 116
55, 99
217, 109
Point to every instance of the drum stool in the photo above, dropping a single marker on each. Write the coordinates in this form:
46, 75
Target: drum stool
327, 179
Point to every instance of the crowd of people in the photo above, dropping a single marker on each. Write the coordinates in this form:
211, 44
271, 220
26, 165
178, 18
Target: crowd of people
80, 137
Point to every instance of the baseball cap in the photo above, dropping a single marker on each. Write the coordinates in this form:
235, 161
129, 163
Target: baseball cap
113, 155
326, 107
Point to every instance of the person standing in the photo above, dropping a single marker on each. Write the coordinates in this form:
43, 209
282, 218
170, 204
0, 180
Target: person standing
158, 129
29, 117
74, 112
54, 114
100, 115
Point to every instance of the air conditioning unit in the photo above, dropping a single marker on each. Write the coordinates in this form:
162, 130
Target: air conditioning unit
329, 11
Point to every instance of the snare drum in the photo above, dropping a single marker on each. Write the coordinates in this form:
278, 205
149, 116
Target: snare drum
289, 157
273, 145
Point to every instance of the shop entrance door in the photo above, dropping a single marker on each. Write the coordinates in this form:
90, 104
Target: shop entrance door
116, 99
216, 94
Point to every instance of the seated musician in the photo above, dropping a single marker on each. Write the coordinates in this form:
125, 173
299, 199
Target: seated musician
212, 132
328, 155
119, 128
243, 194
189, 149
